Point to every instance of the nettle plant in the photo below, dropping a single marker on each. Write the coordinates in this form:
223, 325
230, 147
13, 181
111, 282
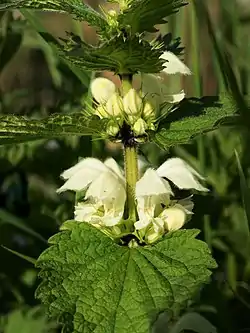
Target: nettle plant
123, 260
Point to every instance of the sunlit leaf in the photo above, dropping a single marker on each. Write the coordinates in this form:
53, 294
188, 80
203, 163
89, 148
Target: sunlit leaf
16, 129
78, 9
194, 117
143, 15
95, 285
118, 55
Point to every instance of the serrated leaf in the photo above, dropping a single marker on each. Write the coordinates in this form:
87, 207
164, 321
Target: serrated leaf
17, 129
95, 285
76, 8
143, 15
194, 117
118, 55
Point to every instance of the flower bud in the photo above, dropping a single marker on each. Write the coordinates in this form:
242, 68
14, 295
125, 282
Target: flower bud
148, 112
112, 128
173, 217
102, 89
114, 105
132, 104
140, 127
152, 235
101, 112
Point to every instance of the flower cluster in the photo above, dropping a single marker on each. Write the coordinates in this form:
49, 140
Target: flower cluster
104, 197
138, 108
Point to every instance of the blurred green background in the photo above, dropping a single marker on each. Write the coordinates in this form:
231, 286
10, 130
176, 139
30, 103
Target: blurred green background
34, 82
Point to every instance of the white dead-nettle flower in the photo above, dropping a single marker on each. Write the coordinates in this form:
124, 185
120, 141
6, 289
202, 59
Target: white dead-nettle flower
119, 108
105, 195
158, 212
156, 90
138, 108
105, 191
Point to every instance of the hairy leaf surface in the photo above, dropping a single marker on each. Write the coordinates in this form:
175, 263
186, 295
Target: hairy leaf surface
76, 8
16, 129
143, 15
118, 55
194, 117
95, 285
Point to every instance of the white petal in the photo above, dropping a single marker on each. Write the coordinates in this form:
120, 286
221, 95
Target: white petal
151, 191
113, 165
151, 184
174, 64
175, 98
141, 224
181, 174
187, 204
102, 89
82, 174
132, 102
151, 88
155, 231
140, 127
173, 217
91, 163
107, 186
85, 212
114, 106
146, 207
110, 219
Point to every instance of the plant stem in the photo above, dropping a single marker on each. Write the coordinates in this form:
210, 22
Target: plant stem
126, 83
130, 160
131, 173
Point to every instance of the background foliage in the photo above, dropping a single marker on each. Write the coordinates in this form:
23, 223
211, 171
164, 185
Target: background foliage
34, 82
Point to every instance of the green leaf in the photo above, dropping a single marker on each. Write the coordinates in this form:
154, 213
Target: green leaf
17, 129
143, 15
194, 117
118, 55
95, 285
76, 8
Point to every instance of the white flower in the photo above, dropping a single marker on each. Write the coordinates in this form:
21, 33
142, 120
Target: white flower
103, 186
153, 194
110, 102
140, 127
131, 107
102, 89
156, 90
173, 217
105, 190
181, 174
132, 103
173, 64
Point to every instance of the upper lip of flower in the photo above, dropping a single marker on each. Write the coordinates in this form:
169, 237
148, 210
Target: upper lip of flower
87, 171
173, 64
105, 185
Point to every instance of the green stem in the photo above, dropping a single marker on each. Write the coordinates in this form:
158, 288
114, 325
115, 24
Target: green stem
131, 173
126, 83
